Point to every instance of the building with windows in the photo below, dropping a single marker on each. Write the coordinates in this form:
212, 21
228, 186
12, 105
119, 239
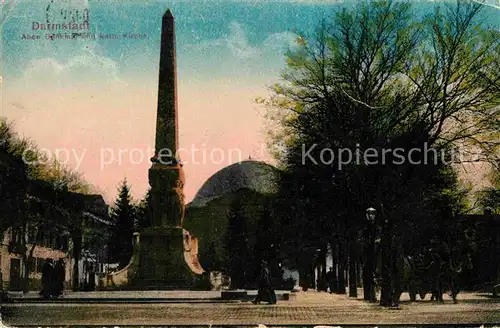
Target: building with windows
13, 261
75, 232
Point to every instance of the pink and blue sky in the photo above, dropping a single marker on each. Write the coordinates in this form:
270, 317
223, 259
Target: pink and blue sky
96, 98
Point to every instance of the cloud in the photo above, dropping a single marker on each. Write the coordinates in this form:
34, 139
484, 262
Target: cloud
239, 46
238, 43
234, 54
77, 70
77, 80
279, 41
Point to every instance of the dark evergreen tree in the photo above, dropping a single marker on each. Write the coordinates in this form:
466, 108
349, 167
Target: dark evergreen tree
123, 216
214, 261
237, 246
265, 236
266, 247
143, 214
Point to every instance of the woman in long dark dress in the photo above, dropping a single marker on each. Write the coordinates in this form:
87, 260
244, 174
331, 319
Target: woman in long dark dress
47, 278
266, 292
59, 276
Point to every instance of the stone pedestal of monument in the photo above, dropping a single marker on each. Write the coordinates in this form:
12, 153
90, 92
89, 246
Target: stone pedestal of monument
162, 262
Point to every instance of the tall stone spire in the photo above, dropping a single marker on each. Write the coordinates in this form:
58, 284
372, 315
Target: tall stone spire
166, 176
167, 124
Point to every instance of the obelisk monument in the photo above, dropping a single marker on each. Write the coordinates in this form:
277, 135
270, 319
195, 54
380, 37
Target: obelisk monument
167, 124
162, 246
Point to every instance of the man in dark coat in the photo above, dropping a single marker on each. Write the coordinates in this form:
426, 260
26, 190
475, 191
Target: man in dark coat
47, 277
266, 292
59, 277
330, 278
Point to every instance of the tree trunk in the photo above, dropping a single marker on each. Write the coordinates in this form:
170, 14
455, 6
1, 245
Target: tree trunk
25, 279
359, 278
26, 275
25, 258
2, 293
22, 243
342, 268
77, 250
324, 282
342, 256
305, 274
496, 276
398, 274
369, 264
386, 270
334, 283
353, 290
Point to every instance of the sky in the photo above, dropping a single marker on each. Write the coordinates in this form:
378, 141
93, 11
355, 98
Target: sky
92, 102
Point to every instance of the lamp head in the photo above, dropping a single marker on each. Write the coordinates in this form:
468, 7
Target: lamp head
371, 213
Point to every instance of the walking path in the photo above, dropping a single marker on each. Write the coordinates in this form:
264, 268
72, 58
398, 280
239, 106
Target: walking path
304, 308
131, 297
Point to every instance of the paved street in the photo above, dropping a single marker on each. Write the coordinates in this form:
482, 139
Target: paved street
305, 308
125, 296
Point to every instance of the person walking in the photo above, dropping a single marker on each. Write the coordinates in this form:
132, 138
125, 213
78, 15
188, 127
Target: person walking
92, 278
266, 292
47, 277
330, 278
60, 275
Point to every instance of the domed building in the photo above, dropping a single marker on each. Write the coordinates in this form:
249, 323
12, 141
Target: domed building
254, 175
249, 185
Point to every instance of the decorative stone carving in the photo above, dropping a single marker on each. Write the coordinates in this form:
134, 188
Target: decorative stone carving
167, 184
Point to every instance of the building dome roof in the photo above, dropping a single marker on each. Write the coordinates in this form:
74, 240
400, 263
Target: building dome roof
254, 175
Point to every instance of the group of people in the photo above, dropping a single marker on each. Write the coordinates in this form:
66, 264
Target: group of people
53, 276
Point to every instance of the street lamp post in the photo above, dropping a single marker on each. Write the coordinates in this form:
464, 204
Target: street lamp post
317, 271
369, 264
386, 293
